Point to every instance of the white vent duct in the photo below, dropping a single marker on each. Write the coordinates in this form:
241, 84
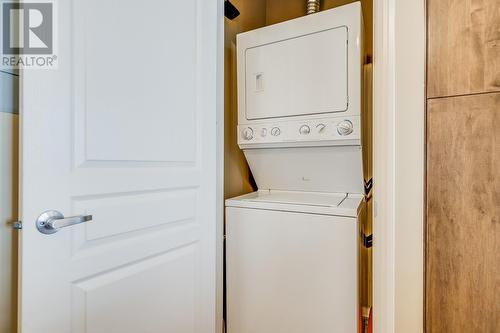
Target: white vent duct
312, 6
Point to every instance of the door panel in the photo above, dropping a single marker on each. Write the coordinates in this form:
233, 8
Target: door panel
152, 60
463, 47
101, 301
125, 131
463, 207
132, 213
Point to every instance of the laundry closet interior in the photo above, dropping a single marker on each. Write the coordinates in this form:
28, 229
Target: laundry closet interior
298, 166
297, 169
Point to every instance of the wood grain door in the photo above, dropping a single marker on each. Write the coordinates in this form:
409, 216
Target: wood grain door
463, 167
463, 47
463, 214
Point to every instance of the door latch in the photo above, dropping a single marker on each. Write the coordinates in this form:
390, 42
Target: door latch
17, 225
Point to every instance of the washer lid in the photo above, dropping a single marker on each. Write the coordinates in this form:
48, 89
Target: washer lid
339, 204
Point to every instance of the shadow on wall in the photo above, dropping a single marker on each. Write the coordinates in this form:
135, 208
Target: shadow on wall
237, 177
9, 130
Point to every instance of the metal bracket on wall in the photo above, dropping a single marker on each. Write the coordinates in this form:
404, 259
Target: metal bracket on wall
230, 11
367, 240
368, 186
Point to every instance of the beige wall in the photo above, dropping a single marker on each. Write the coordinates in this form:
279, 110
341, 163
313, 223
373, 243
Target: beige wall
8, 200
237, 177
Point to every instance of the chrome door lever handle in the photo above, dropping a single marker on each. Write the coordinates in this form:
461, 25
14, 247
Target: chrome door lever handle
52, 221
56, 223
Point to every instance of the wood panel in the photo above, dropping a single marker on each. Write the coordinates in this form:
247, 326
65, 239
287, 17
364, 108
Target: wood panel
463, 47
463, 214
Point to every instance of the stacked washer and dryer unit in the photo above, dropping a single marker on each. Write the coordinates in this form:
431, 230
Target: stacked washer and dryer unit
292, 246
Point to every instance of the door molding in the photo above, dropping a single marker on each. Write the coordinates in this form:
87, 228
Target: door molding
399, 166
219, 274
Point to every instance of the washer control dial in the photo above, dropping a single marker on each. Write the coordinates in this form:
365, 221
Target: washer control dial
345, 127
275, 131
248, 133
304, 130
321, 128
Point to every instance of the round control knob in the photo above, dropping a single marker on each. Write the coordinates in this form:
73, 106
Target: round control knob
248, 133
275, 131
304, 130
263, 132
345, 127
321, 128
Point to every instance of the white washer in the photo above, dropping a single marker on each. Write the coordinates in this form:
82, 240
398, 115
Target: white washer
292, 246
292, 262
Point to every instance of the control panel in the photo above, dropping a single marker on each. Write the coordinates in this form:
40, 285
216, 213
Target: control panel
327, 129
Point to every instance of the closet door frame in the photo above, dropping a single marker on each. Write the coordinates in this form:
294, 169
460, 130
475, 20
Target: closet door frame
399, 165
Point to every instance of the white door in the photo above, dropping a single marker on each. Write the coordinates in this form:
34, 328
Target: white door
125, 131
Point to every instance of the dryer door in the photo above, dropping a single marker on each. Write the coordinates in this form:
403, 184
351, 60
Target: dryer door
297, 76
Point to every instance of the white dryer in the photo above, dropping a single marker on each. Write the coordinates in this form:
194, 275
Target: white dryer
292, 246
